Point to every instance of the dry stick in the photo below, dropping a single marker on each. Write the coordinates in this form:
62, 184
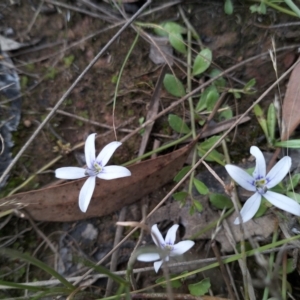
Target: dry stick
120, 128
114, 257
144, 209
232, 281
37, 12
249, 290
66, 94
99, 8
204, 156
153, 109
223, 269
64, 113
82, 11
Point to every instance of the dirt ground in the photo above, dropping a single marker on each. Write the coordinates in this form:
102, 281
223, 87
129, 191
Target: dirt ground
63, 37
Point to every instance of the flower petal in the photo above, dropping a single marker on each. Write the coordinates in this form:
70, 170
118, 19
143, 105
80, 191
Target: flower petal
157, 237
113, 172
249, 209
70, 173
283, 202
157, 265
171, 235
107, 152
89, 150
260, 167
278, 172
148, 257
241, 177
182, 247
86, 193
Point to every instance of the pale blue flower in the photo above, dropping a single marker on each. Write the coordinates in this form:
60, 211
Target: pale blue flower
166, 245
260, 183
95, 167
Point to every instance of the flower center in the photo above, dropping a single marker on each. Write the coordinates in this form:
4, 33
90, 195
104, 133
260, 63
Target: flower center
168, 248
96, 169
260, 186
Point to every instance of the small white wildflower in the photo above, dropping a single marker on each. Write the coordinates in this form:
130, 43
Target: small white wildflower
260, 183
167, 245
95, 167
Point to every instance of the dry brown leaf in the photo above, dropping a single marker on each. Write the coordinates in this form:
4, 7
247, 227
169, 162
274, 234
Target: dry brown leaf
291, 105
60, 203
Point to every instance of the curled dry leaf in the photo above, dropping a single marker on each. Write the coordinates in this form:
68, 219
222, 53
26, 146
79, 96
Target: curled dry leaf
291, 105
60, 203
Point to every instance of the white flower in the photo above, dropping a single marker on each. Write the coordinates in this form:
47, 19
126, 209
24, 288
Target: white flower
260, 183
95, 167
166, 245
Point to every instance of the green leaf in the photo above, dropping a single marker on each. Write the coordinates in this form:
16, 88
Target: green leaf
210, 142
180, 196
264, 205
174, 86
220, 82
182, 173
294, 144
220, 201
290, 266
271, 122
201, 105
164, 29
176, 40
213, 156
225, 114
211, 100
247, 247
203, 98
68, 60
200, 288
172, 27
197, 205
202, 61
295, 181
251, 83
228, 7
253, 8
294, 196
293, 7
200, 187
160, 30
260, 9
237, 95
177, 124
174, 283
261, 119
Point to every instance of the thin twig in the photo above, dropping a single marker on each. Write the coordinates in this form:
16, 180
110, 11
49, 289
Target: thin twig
114, 257
223, 269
